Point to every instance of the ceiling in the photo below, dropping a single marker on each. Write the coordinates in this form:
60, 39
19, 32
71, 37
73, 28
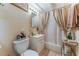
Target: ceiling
46, 6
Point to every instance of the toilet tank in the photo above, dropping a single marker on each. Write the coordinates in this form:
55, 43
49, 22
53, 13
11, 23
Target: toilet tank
21, 46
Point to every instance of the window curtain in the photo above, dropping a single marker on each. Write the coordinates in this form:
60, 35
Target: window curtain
65, 17
43, 21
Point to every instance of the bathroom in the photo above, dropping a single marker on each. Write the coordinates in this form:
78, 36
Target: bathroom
34, 24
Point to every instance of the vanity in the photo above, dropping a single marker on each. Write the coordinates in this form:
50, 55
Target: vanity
37, 42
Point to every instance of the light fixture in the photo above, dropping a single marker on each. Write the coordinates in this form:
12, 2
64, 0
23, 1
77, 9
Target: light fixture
1, 4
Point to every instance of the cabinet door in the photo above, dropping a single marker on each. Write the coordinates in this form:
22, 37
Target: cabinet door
37, 44
33, 43
40, 44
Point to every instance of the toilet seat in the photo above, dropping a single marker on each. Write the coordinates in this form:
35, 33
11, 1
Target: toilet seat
30, 53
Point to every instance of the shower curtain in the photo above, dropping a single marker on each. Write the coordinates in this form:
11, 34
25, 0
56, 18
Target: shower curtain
60, 16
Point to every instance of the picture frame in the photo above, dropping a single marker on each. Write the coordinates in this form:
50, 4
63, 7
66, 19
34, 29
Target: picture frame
22, 6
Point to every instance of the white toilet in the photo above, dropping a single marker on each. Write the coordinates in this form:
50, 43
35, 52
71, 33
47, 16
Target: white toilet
21, 47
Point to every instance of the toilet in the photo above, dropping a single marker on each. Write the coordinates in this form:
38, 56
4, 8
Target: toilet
21, 47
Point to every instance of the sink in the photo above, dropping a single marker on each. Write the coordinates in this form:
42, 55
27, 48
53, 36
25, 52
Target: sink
37, 35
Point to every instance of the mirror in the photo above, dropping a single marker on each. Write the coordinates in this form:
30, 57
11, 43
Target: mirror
34, 20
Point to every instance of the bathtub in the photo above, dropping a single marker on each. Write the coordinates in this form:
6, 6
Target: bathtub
52, 46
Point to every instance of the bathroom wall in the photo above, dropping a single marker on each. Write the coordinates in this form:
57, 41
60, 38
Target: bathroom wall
12, 21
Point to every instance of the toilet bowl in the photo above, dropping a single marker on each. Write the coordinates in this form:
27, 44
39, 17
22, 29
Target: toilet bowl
30, 52
21, 47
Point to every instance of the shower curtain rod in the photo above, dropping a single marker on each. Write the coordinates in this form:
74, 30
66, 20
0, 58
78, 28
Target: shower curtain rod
58, 8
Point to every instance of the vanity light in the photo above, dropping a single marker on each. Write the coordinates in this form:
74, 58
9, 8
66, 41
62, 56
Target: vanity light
1, 4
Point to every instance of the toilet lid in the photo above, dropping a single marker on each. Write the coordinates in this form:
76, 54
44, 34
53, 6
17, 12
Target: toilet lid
30, 53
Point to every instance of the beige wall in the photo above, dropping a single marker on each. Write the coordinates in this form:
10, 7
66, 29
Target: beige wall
12, 21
